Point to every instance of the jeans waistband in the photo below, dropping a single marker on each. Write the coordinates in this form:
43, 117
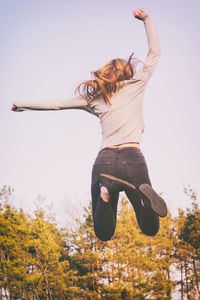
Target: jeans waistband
119, 149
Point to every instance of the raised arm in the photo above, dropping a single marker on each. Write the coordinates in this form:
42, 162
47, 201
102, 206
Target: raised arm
153, 45
56, 104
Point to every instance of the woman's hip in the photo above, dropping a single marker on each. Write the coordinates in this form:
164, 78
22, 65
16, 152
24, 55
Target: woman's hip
124, 163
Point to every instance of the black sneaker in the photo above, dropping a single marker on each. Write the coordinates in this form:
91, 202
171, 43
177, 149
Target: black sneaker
157, 203
114, 184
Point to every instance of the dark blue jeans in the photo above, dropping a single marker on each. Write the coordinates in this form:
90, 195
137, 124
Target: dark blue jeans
128, 164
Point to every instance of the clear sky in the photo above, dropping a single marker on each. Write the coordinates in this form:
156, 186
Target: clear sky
48, 47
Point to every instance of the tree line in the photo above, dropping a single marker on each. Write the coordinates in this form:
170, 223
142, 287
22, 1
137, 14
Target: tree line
40, 260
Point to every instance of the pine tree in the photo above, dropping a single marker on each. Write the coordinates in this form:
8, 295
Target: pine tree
51, 264
144, 258
14, 232
190, 234
187, 227
86, 258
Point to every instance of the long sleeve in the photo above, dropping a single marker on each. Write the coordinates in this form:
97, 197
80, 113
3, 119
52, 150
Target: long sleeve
153, 51
54, 104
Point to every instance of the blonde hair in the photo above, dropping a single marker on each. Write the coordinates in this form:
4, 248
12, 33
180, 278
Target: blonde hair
107, 80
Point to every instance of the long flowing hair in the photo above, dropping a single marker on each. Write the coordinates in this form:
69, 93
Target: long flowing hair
107, 80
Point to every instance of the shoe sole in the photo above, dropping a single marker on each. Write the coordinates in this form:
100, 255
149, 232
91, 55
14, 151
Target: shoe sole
157, 203
128, 184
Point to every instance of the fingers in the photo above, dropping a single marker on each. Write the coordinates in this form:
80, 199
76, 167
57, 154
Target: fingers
14, 108
138, 13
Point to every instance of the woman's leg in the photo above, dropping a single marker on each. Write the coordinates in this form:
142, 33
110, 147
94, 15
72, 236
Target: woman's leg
147, 219
105, 217
134, 170
104, 212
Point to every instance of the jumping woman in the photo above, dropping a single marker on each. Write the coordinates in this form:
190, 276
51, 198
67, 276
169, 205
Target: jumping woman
115, 96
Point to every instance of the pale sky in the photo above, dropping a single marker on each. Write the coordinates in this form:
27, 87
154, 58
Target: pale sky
47, 48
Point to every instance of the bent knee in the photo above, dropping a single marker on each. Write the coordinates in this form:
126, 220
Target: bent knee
150, 231
104, 237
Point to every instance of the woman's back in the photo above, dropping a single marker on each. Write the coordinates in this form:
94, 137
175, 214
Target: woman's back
122, 121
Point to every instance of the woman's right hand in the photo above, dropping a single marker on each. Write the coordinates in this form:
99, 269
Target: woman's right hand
140, 14
14, 108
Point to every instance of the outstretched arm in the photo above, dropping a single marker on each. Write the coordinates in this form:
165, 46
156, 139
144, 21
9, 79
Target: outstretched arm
153, 45
56, 104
